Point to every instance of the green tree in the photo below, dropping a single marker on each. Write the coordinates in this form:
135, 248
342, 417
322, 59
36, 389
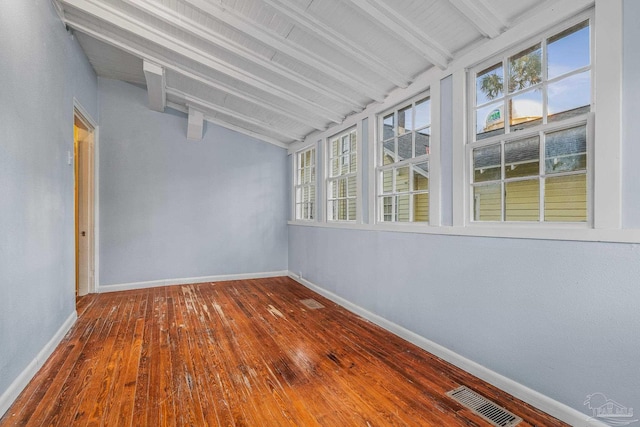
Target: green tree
524, 71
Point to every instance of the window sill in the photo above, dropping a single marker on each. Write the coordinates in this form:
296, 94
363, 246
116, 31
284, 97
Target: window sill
568, 232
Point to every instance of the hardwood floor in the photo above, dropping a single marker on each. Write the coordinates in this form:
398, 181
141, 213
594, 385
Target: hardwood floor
242, 353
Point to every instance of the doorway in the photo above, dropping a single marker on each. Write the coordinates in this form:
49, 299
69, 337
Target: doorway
84, 195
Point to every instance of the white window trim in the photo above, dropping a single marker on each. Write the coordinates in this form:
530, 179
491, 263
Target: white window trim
327, 178
379, 209
607, 99
469, 136
295, 184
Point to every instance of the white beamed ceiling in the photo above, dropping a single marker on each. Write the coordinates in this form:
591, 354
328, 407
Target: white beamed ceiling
282, 69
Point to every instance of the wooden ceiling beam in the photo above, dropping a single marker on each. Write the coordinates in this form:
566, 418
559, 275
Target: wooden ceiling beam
276, 41
398, 25
185, 109
481, 16
196, 29
156, 85
192, 75
302, 18
201, 104
195, 124
126, 23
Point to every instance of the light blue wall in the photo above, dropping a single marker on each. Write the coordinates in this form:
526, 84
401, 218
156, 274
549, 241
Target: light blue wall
559, 317
42, 69
630, 109
174, 208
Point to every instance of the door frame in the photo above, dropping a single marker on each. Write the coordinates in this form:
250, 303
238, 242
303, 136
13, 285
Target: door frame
79, 110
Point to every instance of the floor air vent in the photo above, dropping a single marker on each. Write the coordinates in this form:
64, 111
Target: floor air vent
311, 304
485, 408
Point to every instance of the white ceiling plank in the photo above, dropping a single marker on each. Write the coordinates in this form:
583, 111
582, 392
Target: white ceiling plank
235, 128
122, 21
192, 27
430, 49
481, 16
296, 115
156, 85
302, 18
241, 23
195, 124
202, 104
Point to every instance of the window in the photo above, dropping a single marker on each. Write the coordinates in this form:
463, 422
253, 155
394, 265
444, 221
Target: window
528, 143
342, 177
305, 186
403, 162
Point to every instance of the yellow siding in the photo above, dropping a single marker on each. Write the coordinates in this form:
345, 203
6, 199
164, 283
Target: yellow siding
488, 202
522, 200
421, 207
565, 198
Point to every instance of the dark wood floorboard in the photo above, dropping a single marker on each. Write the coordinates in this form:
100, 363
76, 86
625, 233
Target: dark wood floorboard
242, 353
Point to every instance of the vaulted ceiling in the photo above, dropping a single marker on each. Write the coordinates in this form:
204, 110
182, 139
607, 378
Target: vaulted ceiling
279, 69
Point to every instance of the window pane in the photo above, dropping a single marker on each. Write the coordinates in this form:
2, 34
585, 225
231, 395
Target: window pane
569, 50
421, 207
525, 69
405, 120
342, 209
570, 97
422, 141
388, 152
387, 208
489, 84
565, 198
354, 163
525, 110
421, 177
487, 202
354, 142
387, 181
486, 163
334, 148
566, 150
351, 205
490, 120
522, 200
387, 127
351, 186
522, 158
402, 179
342, 187
335, 170
402, 207
307, 157
423, 113
405, 147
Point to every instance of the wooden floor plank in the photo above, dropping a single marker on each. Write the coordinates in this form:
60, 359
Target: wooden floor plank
242, 353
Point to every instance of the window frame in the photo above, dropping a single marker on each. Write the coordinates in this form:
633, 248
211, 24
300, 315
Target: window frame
329, 178
410, 163
587, 119
298, 187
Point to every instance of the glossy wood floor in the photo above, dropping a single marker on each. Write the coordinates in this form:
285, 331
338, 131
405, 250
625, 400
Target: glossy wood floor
241, 353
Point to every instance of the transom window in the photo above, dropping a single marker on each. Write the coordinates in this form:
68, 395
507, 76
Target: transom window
528, 145
305, 185
342, 177
403, 162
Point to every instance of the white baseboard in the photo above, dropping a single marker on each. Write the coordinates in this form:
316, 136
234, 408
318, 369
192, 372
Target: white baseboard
16, 387
188, 281
532, 397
